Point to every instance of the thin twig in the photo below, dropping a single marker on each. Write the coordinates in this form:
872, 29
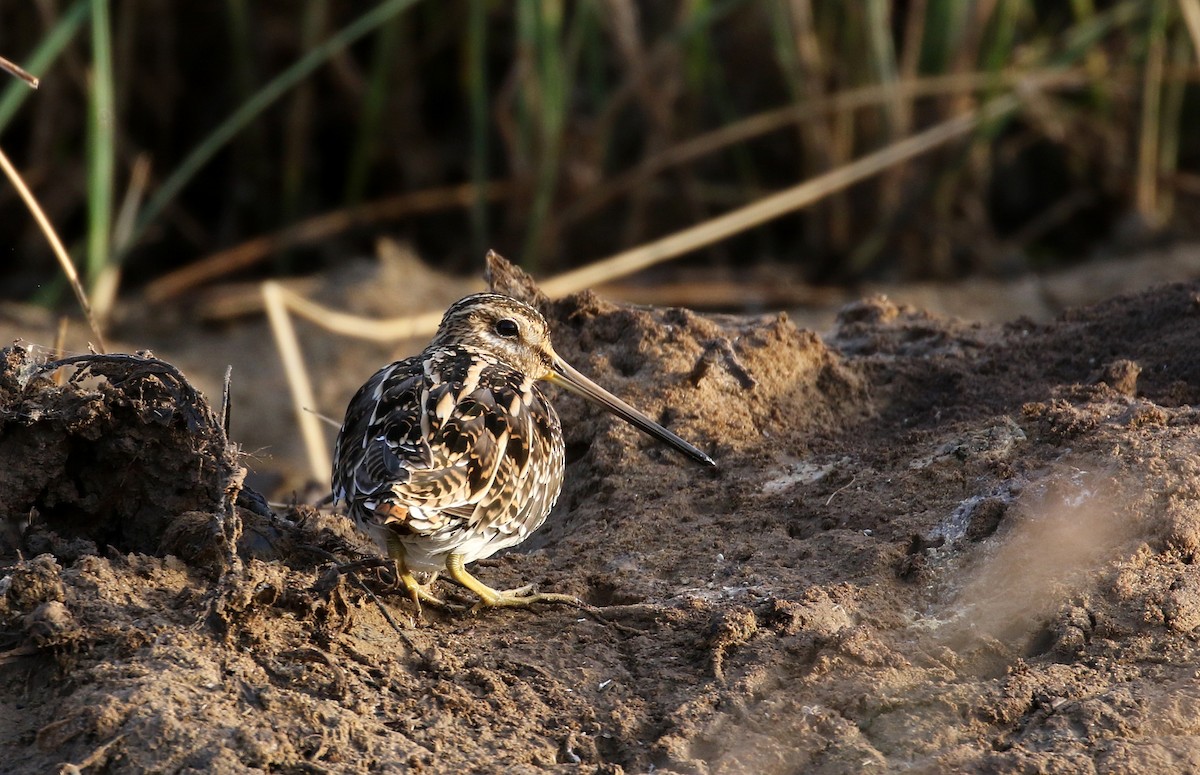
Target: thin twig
324, 418
227, 400
834, 494
56, 245
17, 653
19, 72
596, 614
96, 758
387, 615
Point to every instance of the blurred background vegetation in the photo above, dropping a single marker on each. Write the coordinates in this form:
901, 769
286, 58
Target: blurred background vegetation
165, 133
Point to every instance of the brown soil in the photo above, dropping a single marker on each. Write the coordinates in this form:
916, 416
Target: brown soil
928, 546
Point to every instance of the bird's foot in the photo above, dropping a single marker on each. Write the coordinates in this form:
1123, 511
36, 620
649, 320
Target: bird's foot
420, 593
507, 598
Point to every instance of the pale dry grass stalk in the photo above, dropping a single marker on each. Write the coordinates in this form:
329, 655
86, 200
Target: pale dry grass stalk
778, 204
60, 349
297, 378
1191, 17
139, 179
56, 246
104, 289
390, 330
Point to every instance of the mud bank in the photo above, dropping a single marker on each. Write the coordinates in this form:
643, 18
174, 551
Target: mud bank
927, 546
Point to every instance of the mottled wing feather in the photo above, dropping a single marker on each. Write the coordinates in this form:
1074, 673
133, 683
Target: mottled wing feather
452, 438
380, 443
466, 445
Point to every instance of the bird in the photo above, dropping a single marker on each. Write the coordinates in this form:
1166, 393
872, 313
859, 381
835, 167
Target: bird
451, 455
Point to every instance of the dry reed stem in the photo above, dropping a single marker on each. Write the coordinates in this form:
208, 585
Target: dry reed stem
1146, 179
55, 245
60, 338
297, 377
774, 120
1191, 17
139, 180
389, 330
19, 72
104, 289
230, 300
318, 227
674, 245
773, 206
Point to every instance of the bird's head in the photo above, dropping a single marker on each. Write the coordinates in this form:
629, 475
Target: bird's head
516, 334
509, 330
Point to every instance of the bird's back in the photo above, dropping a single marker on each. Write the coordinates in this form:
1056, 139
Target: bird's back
448, 449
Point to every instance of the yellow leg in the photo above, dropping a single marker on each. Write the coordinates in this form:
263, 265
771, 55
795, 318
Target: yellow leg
521, 596
416, 590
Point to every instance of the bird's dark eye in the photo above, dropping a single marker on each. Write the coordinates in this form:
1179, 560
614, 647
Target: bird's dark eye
507, 327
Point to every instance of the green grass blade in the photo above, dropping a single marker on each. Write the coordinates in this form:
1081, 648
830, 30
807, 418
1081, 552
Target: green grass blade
541, 26
882, 55
297, 131
477, 97
943, 31
783, 40
371, 128
1099, 89
101, 146
43, 56
264, 98
996, 55
1180, 57
699, 57
1083, 37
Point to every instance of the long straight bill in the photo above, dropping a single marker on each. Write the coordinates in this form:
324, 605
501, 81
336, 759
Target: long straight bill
567, 377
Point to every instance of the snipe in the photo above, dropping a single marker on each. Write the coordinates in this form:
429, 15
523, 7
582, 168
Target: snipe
454, 454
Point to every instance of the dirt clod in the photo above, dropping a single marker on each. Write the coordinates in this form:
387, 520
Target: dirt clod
109, 456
